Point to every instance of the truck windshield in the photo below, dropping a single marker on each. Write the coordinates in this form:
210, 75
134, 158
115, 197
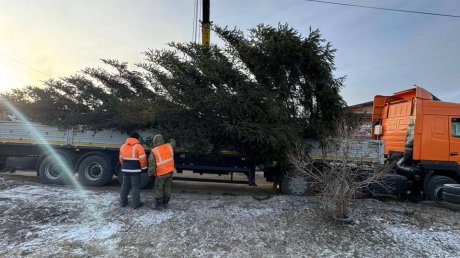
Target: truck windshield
456, 127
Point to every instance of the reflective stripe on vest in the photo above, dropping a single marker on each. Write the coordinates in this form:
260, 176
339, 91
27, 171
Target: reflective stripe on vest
164, 159
131, 164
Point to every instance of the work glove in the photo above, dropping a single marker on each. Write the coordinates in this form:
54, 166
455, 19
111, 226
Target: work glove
144, 170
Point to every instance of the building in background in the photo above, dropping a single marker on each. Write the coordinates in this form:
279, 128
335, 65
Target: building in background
364, 111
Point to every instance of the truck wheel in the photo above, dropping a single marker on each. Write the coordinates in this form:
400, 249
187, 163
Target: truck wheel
296, 185
146, 180
434, 188
55, 170
452, 189
450, 198
95, 170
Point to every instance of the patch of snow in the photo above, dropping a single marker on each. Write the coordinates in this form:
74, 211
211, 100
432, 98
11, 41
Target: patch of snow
3, 244
153, 218
40, 194
51, 221
426, 241
80, 232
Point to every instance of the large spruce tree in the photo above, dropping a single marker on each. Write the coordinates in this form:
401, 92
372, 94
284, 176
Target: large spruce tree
256, 94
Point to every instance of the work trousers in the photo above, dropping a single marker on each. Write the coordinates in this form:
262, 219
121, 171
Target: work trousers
162, 188
131, 182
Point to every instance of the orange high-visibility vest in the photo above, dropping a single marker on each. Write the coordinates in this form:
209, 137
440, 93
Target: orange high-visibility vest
132, 156
164, 159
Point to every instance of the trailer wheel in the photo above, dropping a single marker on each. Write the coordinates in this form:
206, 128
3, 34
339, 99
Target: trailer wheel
296, 185
55, 170
146, 180
435, 186
95, 170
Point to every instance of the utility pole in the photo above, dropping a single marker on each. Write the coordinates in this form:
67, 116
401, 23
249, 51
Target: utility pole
206, 24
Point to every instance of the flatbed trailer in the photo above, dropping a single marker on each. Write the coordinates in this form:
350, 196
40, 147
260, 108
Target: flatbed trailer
94, 155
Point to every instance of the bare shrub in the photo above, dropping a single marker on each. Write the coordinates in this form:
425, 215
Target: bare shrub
342, 172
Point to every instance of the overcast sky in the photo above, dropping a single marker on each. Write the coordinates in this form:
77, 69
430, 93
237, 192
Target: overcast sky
380, 52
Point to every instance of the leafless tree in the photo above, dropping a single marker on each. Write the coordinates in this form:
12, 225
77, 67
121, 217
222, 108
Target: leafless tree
341, 171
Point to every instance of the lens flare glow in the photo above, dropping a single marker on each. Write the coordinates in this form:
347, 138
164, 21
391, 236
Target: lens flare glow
96, 215
5, 77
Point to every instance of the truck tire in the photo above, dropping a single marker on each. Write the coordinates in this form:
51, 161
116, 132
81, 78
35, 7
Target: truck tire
51, 171
451, 198
435, 186
452, 189
296, 185
146, 180
95, 170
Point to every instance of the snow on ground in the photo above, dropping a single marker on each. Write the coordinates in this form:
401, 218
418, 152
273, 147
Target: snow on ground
54, 221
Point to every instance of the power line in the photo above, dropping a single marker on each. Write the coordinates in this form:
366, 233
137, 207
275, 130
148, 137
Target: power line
25, 65
385, 9
200, 10
195, 21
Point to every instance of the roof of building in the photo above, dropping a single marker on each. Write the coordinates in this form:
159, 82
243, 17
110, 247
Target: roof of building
365, 104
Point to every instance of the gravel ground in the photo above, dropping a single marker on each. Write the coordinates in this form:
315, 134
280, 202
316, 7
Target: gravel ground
54, 221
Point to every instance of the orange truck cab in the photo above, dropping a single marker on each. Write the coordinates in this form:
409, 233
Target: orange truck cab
423, 134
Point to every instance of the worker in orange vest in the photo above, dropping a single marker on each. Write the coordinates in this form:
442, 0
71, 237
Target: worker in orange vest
161, 164
133, 162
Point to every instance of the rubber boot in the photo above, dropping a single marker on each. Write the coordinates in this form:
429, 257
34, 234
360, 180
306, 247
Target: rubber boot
159, 204
165, 202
